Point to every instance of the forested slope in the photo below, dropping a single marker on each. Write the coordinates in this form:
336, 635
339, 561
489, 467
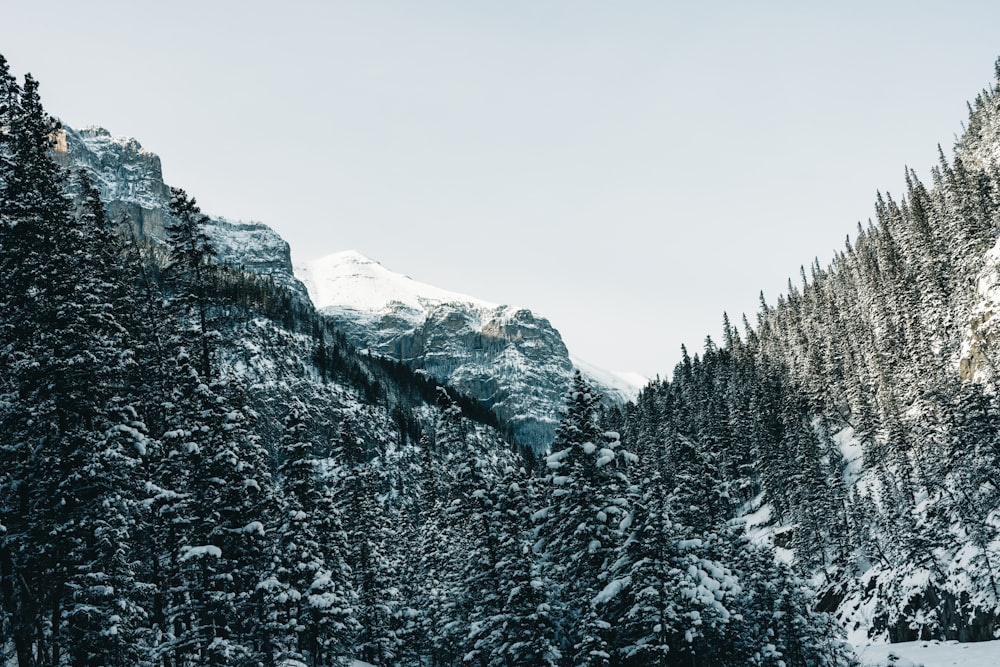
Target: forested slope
856, 421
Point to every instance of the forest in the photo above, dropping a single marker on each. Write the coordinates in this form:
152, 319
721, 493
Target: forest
196, 468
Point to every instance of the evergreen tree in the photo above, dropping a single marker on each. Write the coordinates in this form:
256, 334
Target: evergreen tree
219, 523
191, 251
518, 626
312, 574
74, 436
585, 504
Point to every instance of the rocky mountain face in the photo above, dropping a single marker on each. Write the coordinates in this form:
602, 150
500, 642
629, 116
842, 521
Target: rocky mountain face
510, 359
130, 180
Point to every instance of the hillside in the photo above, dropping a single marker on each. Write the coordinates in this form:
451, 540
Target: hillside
854, 424
509, 358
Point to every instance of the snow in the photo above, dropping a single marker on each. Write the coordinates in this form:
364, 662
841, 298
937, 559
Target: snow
253, 528
611, 590
930, 654
187, 553
757, 521
626, 384
852, 453
984, 320
351, 280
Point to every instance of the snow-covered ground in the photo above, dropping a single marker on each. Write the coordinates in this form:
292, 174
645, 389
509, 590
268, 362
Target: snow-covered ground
930, 654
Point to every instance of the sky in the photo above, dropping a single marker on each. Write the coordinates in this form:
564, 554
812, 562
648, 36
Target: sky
629, 170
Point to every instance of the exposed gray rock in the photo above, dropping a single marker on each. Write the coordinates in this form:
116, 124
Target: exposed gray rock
510, 359
130, 181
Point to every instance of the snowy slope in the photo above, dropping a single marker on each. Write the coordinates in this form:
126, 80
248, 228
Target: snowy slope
624, 384
507, 357
930, 654
984, 323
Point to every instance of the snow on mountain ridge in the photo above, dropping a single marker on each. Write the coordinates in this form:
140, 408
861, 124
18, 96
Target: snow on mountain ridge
512, 360
349, 279
507, 357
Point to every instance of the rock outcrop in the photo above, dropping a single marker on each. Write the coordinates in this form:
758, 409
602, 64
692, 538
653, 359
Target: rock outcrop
130, 180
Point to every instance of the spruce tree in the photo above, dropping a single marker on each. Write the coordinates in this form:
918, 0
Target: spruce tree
191, 252
73, 432
318, 617
585, 504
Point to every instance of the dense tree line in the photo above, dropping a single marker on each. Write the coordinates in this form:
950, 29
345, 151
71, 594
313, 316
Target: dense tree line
860, 410
196, 470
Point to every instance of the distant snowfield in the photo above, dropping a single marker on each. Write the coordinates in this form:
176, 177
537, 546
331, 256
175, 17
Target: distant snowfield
930, 654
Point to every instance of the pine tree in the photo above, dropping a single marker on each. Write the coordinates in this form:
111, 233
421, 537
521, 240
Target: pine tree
75, 435
218, 525
312, 575
518, 627
370, 538
191, 251
585, 503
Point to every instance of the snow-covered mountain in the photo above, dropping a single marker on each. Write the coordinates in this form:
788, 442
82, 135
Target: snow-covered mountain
510, 359
507, 357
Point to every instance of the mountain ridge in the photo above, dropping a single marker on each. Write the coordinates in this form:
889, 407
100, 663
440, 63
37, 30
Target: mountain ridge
379, 309
506, 356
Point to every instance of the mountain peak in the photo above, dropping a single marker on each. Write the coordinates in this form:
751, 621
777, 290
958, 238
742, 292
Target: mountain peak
510, 359
351, 279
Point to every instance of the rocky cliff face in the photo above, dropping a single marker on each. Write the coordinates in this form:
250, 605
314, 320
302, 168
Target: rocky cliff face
130, 180
507, 357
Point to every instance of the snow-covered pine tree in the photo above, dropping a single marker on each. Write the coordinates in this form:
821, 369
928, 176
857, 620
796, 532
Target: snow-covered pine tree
9, 94
517, 626
439, 537
316, 621
371, 537
105, 609
218, 523
585, 503
191, 252
73, 435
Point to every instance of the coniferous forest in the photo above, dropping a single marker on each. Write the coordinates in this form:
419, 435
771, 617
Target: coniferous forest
197, 468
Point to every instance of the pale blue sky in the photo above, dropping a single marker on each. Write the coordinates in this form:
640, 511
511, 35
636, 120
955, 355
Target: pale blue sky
627, 169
